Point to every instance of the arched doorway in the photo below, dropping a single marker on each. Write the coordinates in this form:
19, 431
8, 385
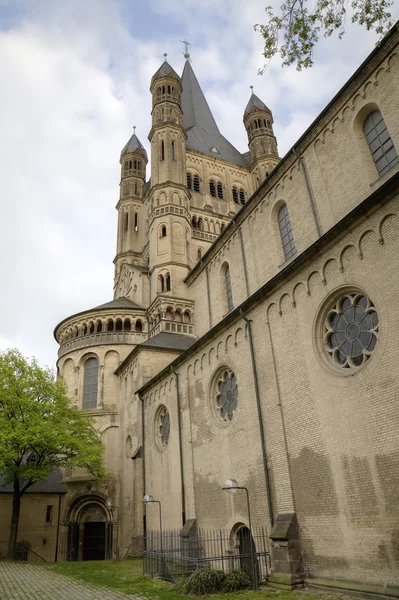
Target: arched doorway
246, 549
90, 529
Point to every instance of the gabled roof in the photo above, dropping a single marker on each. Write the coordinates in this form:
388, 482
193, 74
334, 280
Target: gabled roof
202, 131
165, 70
255, 102
134, 145
52, 485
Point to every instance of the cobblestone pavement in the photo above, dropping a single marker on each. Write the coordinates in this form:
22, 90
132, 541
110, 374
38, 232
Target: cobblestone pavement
33, 582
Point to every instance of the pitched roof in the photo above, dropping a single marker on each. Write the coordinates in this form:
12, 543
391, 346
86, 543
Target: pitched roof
52, 485
256, 102
133, 145
164, 70
202, 131
169, 341
121, 302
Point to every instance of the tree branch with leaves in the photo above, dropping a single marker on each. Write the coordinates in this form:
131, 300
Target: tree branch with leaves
39, 431
296, 30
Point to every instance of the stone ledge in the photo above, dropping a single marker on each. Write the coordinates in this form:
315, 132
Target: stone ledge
356, 587
283, 581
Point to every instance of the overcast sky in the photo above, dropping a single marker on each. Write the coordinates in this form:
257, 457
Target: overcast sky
74, 80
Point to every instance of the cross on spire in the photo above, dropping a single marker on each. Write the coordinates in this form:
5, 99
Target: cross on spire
187, 44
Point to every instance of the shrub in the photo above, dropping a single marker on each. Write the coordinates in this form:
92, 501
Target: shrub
236, 580
204, 581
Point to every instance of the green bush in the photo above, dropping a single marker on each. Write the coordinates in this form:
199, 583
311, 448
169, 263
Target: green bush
236, 580
204, 581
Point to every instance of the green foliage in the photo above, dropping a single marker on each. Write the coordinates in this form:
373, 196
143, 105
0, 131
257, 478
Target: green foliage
300, 26
236, 580
204, 581
38, 423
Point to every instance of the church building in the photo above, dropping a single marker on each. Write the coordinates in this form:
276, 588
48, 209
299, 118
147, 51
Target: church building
250, 338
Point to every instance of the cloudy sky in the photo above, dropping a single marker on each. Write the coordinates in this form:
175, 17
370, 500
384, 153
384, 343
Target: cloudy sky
74, 80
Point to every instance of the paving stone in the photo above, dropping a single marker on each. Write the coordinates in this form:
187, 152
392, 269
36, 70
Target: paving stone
33, 582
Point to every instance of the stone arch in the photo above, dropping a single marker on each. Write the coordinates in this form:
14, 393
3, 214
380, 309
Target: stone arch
364, 240
382, 222
346, 252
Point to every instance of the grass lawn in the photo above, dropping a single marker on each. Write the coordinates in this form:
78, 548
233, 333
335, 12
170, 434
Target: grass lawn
126, 576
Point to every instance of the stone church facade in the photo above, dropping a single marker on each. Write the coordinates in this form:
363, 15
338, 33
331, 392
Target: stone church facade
251, 336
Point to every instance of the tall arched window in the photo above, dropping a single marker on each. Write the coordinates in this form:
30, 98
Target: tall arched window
287, 238
173, 151
242, 196
168, 282
136, 222
235, 195
212, 188
90, 383
229, 292
380, 142
162, 150
220, 190
126, 222
196, 181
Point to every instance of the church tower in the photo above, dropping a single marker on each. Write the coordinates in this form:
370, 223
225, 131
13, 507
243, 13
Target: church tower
130, 207
168, 197
258, 121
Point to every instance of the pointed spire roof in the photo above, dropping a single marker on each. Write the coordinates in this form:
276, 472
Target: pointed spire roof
255, 102
164, 70
202, 131
134, 145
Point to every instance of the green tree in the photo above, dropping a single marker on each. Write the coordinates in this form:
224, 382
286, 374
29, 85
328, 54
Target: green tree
39, 431
294, 32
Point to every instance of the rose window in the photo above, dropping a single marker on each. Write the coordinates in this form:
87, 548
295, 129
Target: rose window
163, 426
351, 331
226, 395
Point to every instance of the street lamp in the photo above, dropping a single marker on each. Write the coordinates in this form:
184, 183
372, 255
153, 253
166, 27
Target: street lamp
231, 486
147, 499
111, 507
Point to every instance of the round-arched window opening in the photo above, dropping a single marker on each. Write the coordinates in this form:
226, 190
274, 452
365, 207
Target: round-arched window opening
226, 395
350, 331
128, 447
162, 427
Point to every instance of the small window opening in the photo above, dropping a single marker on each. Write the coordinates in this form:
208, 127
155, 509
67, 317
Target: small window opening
92, 328
380, 142
189, 181
287, 237
212, 188
110, 325
199, 253
126, 222
99, 326
163, 231
85, 330
229, 293
139, 326
49, 514
162, 150
194, 222
127, 325
173, 151
196, 183
220, 191
118, 325
136, 222
168, 282
235, 195
242, 196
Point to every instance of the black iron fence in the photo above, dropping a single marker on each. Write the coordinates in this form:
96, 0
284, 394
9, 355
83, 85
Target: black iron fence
172, 556
22, 553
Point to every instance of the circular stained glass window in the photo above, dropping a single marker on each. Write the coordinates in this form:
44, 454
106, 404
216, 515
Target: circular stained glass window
351, 330
163, 426
226, 395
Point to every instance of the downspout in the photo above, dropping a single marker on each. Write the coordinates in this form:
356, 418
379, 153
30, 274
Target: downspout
183, 499
310, 194
58, 528
208, 294
260, 419
143, 471
244, 260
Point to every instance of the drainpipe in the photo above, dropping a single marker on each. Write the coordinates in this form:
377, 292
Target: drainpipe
143, 471
208, 294
310, 194
260, 419
183, 499
244, 261
58, 528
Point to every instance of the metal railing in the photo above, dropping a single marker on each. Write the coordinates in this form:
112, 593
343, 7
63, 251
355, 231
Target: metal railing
22, 553
216, 549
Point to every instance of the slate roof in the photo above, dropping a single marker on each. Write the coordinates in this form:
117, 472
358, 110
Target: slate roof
169, 341
121, 302
133, 145
52, 485
256, 102
164, 69
202, 131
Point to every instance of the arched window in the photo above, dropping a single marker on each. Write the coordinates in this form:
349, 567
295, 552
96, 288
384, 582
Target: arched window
126, 222
242, 196
287, 238
162, 150
136, 222
196, 183
168, 282
99, 326
90, 383
235, 195
229, 293
92, 328
139, 326
194, 222
199, 253
161, 284
118, 325
85, 329
126, 325
220, 191
189, 181
212, 188
380, 142
163, 231
173, 151
110, 325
